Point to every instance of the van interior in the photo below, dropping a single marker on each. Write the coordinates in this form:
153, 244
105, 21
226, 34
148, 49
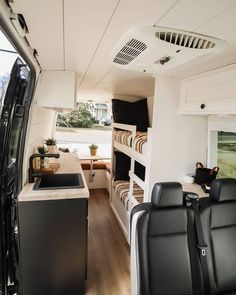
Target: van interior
117, 147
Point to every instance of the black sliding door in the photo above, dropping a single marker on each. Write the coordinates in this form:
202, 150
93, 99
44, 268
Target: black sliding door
14, 111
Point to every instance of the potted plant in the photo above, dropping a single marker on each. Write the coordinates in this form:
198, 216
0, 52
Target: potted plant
42, 150
93, 149
51, 144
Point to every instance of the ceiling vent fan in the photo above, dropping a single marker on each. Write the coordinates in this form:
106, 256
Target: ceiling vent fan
158, 49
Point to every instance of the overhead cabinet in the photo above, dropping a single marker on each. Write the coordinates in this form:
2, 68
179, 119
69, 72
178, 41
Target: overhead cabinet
210, 93
57, 90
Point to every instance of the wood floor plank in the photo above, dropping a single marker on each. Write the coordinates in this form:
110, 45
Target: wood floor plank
108, 251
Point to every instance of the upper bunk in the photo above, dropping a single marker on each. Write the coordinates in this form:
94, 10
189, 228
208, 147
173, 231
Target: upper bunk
131, 127
135, 144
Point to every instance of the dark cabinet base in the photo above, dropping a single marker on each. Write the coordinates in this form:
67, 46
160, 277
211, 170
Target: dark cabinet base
53, 247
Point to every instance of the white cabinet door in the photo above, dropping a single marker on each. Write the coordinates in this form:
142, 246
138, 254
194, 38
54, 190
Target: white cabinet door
211, 93
57, 90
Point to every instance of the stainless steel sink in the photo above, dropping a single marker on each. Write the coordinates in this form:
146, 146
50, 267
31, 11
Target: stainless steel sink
59, 181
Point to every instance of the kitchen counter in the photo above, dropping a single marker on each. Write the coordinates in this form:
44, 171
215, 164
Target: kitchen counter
69, 163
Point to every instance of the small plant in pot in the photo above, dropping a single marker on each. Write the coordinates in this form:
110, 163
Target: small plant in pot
93, 149
51, 144
42, 149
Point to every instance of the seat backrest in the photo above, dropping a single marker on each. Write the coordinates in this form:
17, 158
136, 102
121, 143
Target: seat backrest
218, 219
160, 244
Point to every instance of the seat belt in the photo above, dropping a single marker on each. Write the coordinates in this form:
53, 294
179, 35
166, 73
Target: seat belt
193, 199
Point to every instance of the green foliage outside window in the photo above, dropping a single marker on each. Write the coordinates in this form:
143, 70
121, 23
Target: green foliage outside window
80, 117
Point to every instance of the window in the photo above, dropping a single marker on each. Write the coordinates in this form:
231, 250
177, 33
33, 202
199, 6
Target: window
89, 123
8, 56
15, 98
226, 153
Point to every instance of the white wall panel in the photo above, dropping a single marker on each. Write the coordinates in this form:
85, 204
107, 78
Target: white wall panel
178, 142
41, 126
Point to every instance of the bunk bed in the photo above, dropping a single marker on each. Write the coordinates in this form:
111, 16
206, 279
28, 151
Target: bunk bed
130, 141
127, 193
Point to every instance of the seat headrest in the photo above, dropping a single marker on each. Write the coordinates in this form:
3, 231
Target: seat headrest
167, 194
223, 189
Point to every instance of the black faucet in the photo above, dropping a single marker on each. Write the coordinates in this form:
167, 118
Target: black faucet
32, 175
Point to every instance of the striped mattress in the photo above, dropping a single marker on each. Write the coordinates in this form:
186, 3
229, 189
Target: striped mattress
125, 137
121, 189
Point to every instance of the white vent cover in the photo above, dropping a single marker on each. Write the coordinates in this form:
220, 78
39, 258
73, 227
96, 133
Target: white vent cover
129, 52
157, 49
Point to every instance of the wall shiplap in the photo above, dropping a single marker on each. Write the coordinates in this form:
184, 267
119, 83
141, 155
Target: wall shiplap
41, 126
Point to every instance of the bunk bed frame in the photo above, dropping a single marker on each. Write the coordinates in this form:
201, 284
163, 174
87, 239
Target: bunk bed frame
117, 206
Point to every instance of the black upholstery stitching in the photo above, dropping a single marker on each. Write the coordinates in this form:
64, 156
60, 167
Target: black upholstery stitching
190, 254
223, 226
166, 235
212, 249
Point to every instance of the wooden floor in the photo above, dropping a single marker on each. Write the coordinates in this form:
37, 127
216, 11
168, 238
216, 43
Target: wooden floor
108, 251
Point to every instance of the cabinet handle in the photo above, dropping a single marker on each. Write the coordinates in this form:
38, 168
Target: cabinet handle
202, 106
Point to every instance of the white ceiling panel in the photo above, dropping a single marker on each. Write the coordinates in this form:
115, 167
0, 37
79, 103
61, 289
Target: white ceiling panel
45, 23
85, 24
120, 82
92, 28
223, 26
123, 83
191, 14
226, 57
128, 14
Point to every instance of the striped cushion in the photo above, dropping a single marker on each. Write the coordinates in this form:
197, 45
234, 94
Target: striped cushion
125, 137
121, 188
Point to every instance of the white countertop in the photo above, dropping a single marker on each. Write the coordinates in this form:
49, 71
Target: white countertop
69, 163
195, 188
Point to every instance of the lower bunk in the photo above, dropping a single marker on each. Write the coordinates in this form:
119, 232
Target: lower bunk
122, 202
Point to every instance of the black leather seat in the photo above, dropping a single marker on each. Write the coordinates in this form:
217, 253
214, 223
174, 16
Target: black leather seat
218, 217
161, 237
164, 252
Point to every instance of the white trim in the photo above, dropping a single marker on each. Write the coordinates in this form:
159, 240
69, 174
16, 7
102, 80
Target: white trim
133, 201
123, 218
142, 159
134, 260
212, 148
139, 181
217, 70
131, 128
121, 214
123, 228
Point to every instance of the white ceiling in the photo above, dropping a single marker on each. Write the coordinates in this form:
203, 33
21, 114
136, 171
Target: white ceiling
79, 35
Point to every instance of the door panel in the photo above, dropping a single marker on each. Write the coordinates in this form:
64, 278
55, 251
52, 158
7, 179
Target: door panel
12, 131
